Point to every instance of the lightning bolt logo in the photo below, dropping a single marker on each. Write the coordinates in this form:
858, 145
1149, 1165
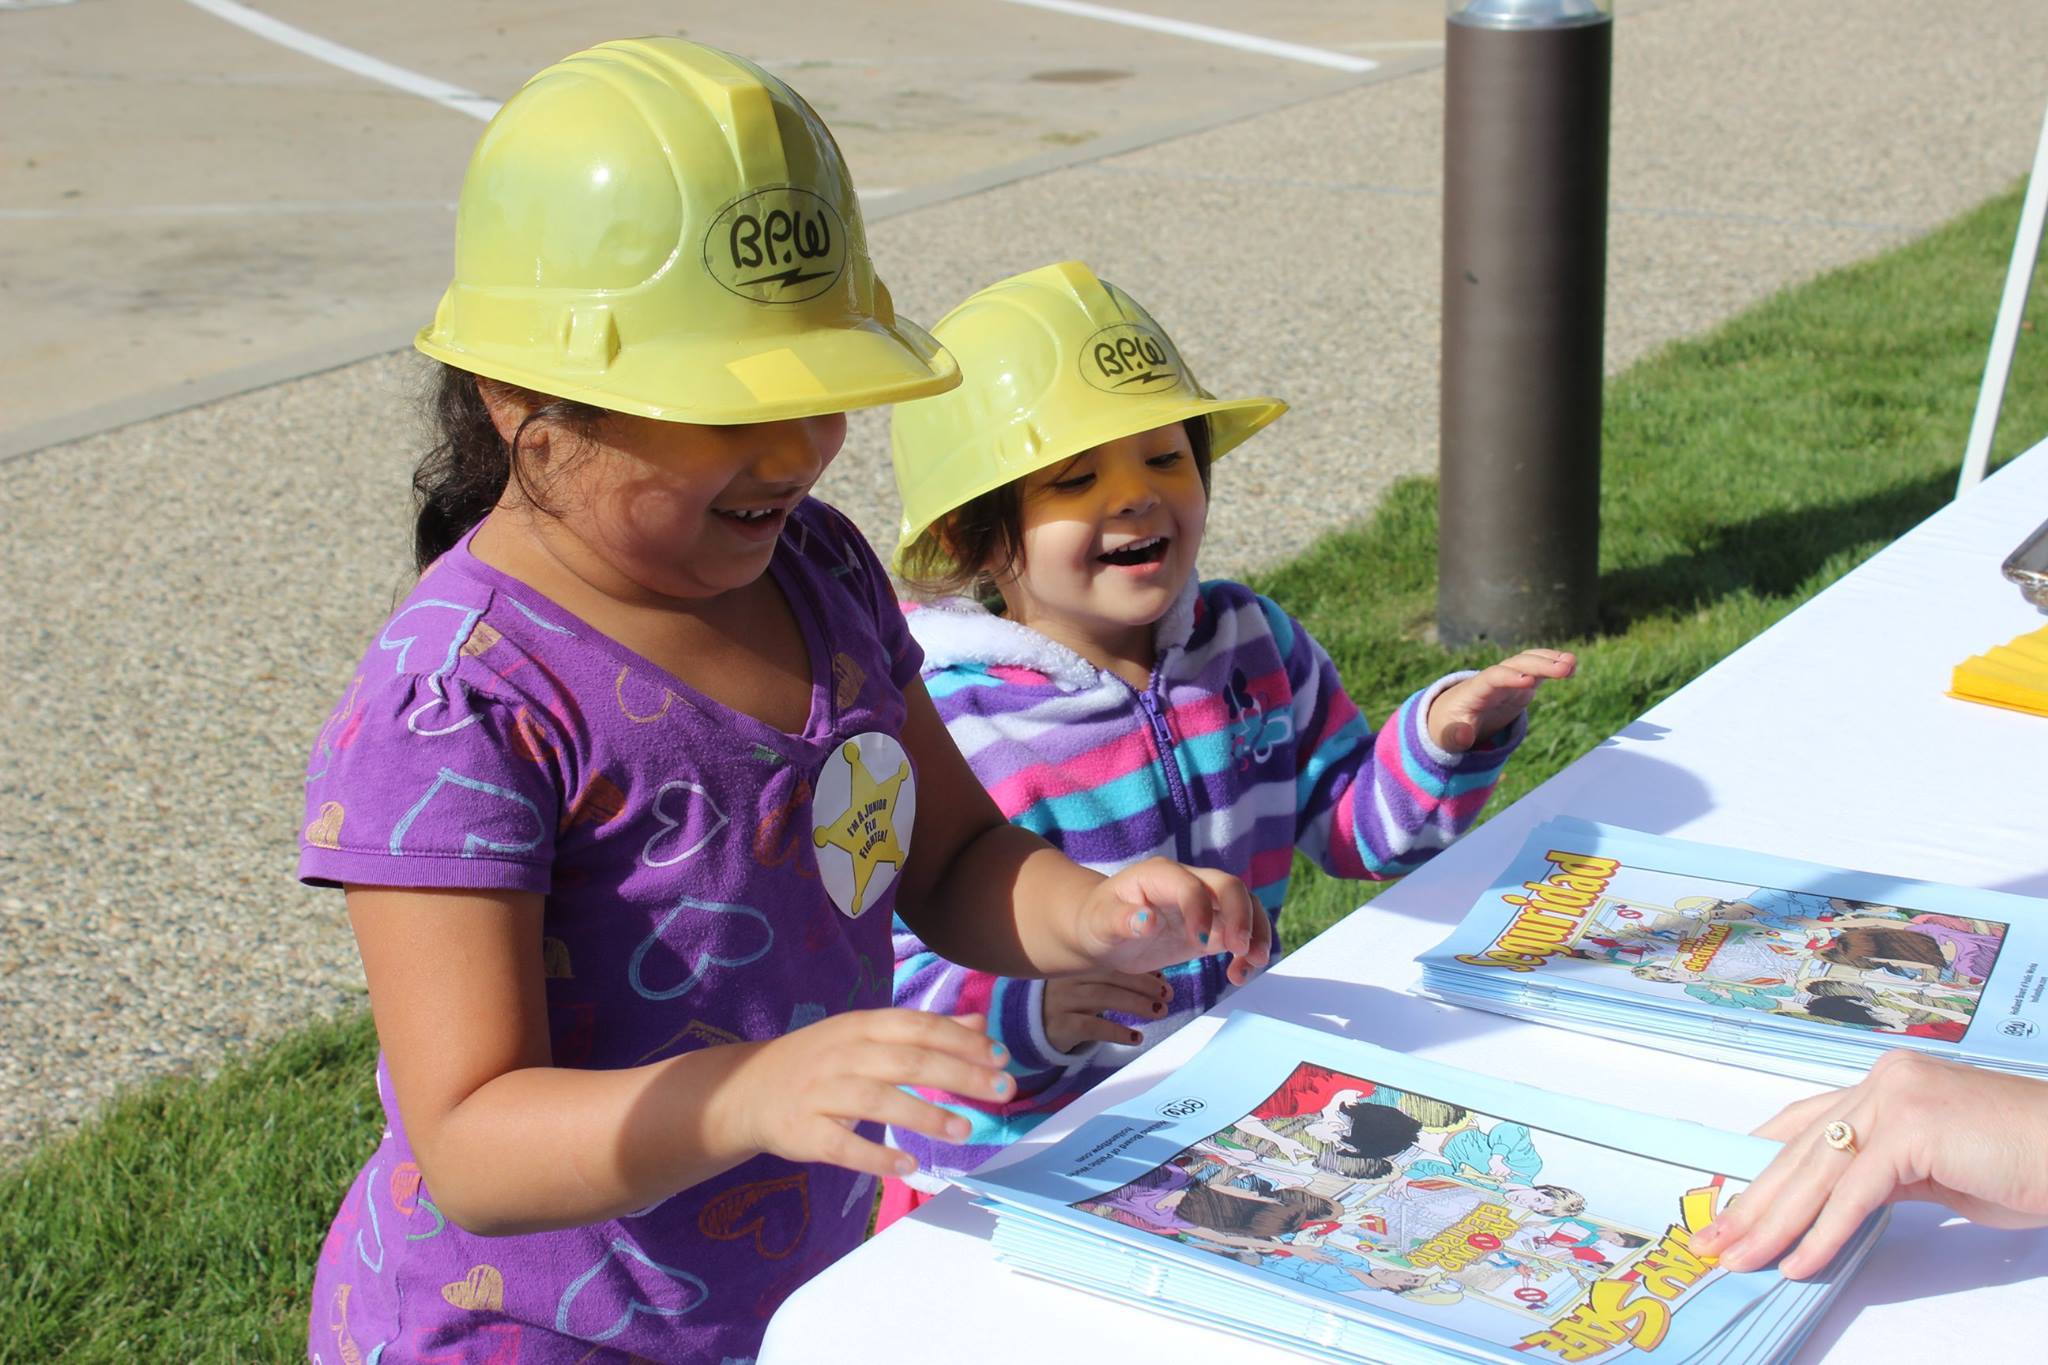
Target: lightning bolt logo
788, 279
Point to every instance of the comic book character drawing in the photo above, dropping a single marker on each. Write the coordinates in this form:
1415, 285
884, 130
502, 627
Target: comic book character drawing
1583, 1241
1335, 1270
1339, 1124
1850, 1003
1772, 998
1504, 1154
1971, 945
1622, 951
1895, 949
1788, 911
1171, 1201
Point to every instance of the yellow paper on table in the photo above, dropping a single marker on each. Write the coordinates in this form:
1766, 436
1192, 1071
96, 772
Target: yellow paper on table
2014, 675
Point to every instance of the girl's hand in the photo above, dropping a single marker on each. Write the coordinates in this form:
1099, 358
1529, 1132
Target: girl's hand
1074, 1006
1158, 912
1923, 1128
800, 1096
1490, 699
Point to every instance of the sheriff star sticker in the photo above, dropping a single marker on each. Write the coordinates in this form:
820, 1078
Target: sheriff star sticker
862, 845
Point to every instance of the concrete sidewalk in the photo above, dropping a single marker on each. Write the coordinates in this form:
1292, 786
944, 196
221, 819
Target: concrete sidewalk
184, 597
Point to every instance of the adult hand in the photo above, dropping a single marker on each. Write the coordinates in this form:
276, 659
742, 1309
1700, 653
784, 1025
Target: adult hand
1159, 912
800, 1096
1074, 1006
1488, 701
1922, 1128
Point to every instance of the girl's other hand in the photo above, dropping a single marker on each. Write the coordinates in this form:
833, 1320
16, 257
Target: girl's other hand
1488, 701
1074, 1006
1159, 912
800, 1096
1921, 1128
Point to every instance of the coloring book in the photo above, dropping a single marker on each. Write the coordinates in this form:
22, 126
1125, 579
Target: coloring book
1353, 1203
1780, 965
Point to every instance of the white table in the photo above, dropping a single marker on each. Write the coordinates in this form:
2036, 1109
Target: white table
1828, 738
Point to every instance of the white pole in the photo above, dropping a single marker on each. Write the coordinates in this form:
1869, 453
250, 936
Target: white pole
2006, 331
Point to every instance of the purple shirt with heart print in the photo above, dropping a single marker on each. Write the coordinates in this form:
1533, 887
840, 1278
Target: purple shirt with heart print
489, 740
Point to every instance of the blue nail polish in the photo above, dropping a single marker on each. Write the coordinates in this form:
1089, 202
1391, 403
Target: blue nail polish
1002, 1054
1205, 940
1144, 917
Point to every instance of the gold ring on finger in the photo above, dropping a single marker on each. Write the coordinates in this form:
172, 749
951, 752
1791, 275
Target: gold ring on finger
1839, 1135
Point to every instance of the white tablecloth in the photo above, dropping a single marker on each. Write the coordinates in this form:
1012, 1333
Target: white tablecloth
1828, 738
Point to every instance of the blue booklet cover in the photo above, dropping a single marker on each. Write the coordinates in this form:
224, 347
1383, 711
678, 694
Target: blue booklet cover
1805, 968
1355, 1203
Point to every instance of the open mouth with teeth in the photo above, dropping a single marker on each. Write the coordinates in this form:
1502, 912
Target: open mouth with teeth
1151, 550
750, 516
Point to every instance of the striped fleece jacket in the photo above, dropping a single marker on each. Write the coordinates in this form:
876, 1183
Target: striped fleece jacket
1244, 748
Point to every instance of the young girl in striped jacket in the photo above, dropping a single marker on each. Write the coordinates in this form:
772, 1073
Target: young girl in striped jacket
1116, 706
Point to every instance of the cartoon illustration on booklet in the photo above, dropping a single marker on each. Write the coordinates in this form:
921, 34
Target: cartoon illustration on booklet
1357, 1189
1326, 1194
1887, 968
1595, 925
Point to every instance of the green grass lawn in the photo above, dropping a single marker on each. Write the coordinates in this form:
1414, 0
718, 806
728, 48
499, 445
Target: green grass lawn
1744, 472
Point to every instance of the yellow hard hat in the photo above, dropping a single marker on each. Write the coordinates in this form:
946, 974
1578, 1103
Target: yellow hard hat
1056, 362
661, 228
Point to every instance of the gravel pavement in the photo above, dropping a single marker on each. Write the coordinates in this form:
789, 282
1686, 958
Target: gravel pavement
183, 597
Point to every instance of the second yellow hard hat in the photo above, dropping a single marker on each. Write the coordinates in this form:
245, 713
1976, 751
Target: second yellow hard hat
661, 228
1055, 362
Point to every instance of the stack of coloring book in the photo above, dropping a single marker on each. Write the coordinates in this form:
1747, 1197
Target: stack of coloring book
1348, 1203
1779, 965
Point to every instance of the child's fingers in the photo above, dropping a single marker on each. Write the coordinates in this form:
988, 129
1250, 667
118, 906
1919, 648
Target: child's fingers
1507, 678
1142, 996
1459, 735
960, 1036
837, 1145
1547, 663
1163, 891
1241, 927
1147, 984
1079, 1028
926, 1068
862, 1101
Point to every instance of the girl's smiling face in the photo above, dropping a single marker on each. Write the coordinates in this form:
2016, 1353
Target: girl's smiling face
680, 511
1109, 541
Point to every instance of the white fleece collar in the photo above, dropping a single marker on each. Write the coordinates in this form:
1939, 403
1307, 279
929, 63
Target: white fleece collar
959, 630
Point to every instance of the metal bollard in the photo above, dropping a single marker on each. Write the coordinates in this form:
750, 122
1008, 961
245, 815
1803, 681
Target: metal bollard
1524, 295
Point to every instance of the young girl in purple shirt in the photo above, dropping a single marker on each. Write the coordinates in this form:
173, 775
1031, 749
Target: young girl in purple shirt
625, 792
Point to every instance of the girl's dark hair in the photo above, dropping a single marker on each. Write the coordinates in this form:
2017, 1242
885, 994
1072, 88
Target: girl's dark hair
460, 479
1563, 1200
964, 552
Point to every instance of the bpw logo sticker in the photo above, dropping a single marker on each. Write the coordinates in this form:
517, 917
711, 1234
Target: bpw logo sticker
1129, 357
779, 245
1181, 1109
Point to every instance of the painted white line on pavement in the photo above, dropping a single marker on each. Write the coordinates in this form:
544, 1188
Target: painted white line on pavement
277, 207
348, 59
1223, 37
282, 207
